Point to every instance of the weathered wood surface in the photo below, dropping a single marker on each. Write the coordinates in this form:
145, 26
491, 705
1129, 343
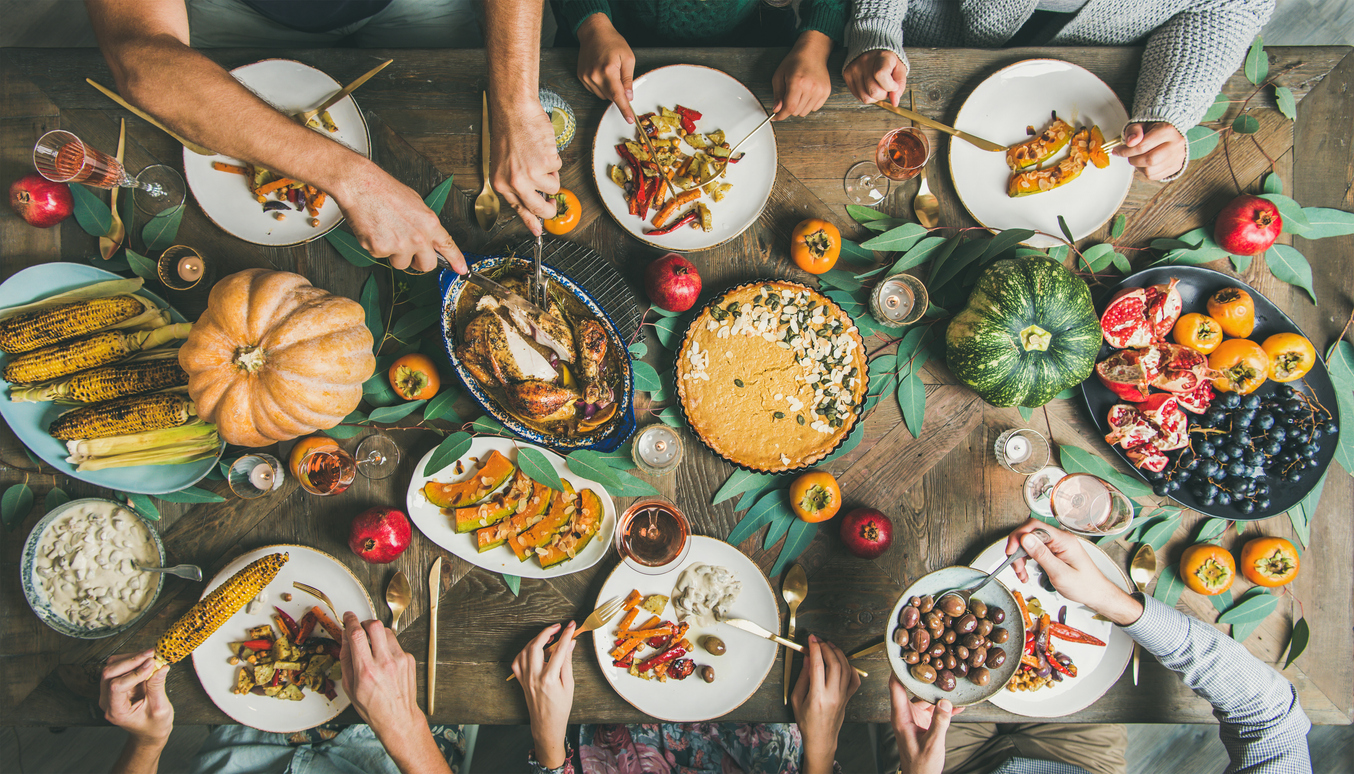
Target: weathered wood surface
944, 491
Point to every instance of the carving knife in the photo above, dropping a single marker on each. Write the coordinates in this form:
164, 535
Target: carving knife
979, 142
434, 600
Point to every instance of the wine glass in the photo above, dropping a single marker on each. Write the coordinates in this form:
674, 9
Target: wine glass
1089, 505
64, 158
328, 472
864, 185
377, 456
653, 536
900, 155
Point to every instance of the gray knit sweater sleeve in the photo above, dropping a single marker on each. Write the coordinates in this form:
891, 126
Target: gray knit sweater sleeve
876, 25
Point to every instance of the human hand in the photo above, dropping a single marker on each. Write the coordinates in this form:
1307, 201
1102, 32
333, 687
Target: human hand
391, 221
920, 729
826, 683
549, 690
132, 697
1072, 571
379, 678
1157, 149
606, 65
801, 84
876, 75
525, 162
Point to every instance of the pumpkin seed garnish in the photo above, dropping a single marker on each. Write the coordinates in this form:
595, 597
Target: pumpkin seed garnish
799, 418
738, 382
779, 415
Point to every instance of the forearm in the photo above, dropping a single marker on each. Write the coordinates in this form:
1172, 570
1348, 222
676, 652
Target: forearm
819, 761
139, 756
513, 46
413, 750
550, 748
876, 25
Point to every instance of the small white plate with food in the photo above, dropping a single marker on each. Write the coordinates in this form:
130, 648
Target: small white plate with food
1018, 105
1097, 667
280, 704
245, 201
704, 113
738, 663
485, 509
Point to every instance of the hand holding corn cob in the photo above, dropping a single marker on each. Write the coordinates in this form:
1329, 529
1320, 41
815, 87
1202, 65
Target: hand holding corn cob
216, 608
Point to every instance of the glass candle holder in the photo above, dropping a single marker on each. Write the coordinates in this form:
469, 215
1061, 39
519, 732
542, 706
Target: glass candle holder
182, 268
899, 300
1022, 451
657, 450
255, 475
653, 536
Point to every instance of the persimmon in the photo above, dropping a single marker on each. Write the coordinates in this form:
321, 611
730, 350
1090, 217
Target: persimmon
815, 245
1207, 569
1242, 365
414, 377
815, 496
1291, 356
1234, 309
567, 213
1199, 332
1269, 561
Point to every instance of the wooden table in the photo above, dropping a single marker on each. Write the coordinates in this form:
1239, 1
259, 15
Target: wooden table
946, 495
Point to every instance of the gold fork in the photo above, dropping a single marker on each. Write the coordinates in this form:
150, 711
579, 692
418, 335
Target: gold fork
597, 620
320, 595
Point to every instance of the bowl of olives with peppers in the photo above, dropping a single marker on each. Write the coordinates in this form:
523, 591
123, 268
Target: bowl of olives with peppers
941, 648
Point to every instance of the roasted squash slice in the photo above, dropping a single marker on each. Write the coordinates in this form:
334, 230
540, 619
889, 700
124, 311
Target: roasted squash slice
562, 508
527, 516
1033, 181
1037, 150
494, 470
1099, 156
497, 508
574, 538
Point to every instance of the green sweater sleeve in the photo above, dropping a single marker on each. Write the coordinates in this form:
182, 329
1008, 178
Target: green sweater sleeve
825, 16
577, 11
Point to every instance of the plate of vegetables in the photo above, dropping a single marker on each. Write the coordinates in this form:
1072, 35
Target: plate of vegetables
257, 204
130, 377
695, 116
1188, 392
1083, 656
1054, 117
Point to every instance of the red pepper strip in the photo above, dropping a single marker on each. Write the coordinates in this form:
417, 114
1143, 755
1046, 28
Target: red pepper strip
1068, 669
688, 113
258, 645
306, 627
689, 217
1029, 642
1024, 611
277, 677
688, 125
1043, 643
645, 193
662, 658
288, 623
1065, 632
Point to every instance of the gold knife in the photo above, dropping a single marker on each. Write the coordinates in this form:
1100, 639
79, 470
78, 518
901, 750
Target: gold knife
868, 651
148, 118
434, 599
752, 628
986, 145
305, 117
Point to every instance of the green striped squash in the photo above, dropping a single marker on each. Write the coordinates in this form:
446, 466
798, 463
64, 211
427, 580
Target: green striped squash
1029, 332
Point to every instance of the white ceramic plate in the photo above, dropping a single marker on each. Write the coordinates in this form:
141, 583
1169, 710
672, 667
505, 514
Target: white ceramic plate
290, 87
29, 421
724, 103
309, 566
438, 527
1097, 668
999, 109
738, 673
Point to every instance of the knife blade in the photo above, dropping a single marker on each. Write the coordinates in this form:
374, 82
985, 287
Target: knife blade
979, 142
869, 650
434, 601
506, 295
752, 628
305, 116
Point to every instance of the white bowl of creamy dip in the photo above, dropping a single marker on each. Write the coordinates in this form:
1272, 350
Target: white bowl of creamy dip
79, 568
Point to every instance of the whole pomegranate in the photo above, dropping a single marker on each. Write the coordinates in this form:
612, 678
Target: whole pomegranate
866, 532
40, 201
672, 283
379, 535
1248, 225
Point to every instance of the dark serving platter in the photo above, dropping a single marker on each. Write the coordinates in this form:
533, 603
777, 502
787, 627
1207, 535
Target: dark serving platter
1196, 285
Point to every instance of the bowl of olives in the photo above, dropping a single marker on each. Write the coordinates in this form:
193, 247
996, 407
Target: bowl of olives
941, 648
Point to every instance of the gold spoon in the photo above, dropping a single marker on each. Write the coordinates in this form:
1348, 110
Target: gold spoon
925, 205
486, 204
794, 588
110, 242
1141, 570
398, 596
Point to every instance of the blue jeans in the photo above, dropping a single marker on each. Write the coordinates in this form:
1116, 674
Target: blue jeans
355, 750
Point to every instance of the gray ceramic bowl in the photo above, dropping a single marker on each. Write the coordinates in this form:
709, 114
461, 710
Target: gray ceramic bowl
38, 601
994, 593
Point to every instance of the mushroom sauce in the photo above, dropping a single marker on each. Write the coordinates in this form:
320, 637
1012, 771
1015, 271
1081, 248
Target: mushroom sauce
84, 566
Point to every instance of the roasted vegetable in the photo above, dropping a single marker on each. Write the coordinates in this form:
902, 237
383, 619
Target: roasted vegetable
1035, 181
216, 608
135, 414
44, 327
132, 377
1041, 148
171, 446
71, 357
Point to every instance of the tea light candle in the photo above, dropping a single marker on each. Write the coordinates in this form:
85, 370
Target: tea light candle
1017, 449
657, 448
892, 300
262, 476
189, 268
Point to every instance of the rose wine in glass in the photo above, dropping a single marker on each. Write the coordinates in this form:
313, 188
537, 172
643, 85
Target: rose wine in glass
652, 535
1087, 505
902, 153
62, 157
326, 472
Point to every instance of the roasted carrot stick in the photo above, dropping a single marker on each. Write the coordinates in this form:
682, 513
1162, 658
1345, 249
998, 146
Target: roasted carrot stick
281, 182
222, 166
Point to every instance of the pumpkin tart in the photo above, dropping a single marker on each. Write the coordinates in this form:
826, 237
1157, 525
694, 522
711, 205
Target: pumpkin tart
772, 376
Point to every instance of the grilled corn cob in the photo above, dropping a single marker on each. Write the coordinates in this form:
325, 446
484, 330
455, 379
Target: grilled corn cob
115, 381
134, 414
215, 609
41, 328
70, 357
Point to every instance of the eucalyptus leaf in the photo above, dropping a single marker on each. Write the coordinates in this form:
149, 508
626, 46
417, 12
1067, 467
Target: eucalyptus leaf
15, 504
440, 407
964, 255
592, 465
1301, 515
672, 417
1240, 263
941, 254
1257, 62
852, 251
1253, 607
117, 264
1272, 184
370, 299
863, 214
1287, 105
56, 497
1294, 219
1202, 140
378, 392
391, 414
901, 238
840, 279
514, 584
1120, 262
414, 322
437, 198
140, 265
1098, 257
1117, 228
161, 230
1246, 124
912, 400
668, 330
342, 432
1297, 641
192, 494
347, 247
646, 378
1004, 240
537, 467
1067, 232
1158, 536
638, 349
919, 253
1078, 460
1221, 602
885, 224
1327, 222
1218, 109
144, 506
1211, 529
91, 212
1026, 413
487, 424
849, 443
1169, 586
661, 312
630, 485
800, 535
452, 448
1059, 252
1291, 266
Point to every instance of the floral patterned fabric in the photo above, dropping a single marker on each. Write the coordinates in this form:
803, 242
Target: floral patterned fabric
686, 748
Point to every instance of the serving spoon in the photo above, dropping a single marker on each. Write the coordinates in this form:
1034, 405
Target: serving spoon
187, 571
1141, 570
486, 204
398, 596
925, 205
966, 594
